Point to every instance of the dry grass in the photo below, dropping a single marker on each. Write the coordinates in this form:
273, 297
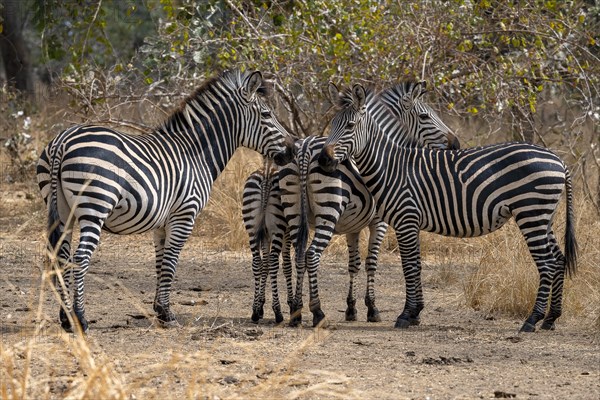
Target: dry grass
223, 213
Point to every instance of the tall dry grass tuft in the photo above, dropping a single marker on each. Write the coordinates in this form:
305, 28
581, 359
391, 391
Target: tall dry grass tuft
505, 281
89, 375
224, 209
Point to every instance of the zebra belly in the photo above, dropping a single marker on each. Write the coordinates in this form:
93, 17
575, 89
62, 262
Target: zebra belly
355, 217
441, 224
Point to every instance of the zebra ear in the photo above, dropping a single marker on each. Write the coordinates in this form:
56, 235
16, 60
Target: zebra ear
252, 83
334, 93
419, 90
359, 94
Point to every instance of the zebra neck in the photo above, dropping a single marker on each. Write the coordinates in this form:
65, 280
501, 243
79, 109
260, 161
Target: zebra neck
376, 157
203, 134
393, 128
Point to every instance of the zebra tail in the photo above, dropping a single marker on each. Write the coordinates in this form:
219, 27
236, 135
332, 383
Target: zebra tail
303, 229
55, 225
261, 233
265, 191
570, 242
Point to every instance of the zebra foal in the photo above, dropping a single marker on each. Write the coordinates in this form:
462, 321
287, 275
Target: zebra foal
462, 193
125, 184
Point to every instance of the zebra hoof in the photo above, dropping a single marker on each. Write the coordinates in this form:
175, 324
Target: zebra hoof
169, 324
351, 314
278, 318
318, 317
322, 324
296, 317
548, 326
255, 317
66, 327
295, 322
65, 324
81, 324
402, 323
527, 327
373, 316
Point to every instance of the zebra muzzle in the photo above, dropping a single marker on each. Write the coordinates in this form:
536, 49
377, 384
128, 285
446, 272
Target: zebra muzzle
327, 160
453, 142
285, 157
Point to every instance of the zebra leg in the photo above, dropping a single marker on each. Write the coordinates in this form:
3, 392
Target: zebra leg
325, 221
287, 270
273, 269
63, 276
264, 274
541, 251
353, 267
176, 236
296, 308
63, 281
257, 266
376, 234
89, 237
313, 258
557, 285
159, 251
408, 243
59, 260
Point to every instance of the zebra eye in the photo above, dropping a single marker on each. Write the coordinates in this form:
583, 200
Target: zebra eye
265, 114
351, 124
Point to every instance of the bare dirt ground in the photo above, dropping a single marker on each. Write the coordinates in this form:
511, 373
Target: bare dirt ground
456, 352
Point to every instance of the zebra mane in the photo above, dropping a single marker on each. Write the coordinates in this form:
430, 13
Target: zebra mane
232, 79
393, 94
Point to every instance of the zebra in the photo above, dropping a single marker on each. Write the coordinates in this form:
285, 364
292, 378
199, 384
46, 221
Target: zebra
461, 193
159, 181
267, 229
340, 203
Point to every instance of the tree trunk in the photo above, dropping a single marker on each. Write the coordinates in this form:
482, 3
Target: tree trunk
13, 48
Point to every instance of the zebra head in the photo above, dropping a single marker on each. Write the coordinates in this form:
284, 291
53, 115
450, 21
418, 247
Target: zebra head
262, 131
348, 126
404, 101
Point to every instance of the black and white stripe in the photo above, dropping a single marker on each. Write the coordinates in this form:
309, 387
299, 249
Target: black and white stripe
126, 184
463, 193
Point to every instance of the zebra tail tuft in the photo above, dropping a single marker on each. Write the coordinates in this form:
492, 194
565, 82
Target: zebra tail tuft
261, 232
570, 242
